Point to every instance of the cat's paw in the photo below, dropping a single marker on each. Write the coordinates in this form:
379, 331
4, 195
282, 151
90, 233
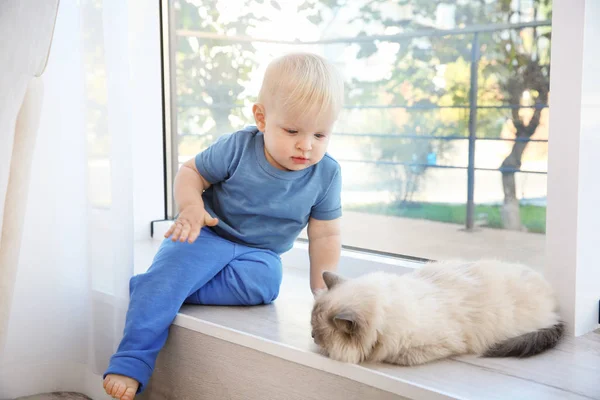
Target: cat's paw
348, 356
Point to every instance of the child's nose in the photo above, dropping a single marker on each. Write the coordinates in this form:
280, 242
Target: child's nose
305, 144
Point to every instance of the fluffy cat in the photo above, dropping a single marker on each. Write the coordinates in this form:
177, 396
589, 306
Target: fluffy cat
489, 308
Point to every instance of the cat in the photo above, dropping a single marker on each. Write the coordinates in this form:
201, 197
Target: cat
489, 308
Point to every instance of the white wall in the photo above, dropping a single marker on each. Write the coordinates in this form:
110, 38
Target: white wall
573, 192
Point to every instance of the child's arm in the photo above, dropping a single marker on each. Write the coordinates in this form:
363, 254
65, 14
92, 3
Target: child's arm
324, 248
188, 188
189, 185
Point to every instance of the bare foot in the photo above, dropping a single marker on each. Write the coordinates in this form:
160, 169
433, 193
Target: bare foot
120, 387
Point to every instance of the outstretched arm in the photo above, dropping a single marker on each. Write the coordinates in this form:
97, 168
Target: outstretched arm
324, 248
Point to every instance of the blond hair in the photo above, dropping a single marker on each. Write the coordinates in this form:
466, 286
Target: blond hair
302, 82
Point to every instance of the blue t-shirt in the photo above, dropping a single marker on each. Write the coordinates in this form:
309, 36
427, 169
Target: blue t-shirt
259, 205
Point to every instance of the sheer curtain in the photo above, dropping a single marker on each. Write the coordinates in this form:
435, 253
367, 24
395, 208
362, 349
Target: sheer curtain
22, 61
80, 226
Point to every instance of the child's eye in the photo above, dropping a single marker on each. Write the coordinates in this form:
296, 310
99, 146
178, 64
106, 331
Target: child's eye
291, 131
319, 135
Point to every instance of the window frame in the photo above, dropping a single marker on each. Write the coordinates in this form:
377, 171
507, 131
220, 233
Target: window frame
571, 217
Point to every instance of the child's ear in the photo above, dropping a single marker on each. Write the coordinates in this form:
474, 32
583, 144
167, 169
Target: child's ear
259, 116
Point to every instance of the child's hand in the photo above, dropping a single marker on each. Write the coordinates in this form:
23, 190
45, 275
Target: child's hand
189, 223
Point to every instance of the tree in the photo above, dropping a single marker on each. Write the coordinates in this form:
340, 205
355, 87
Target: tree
514, 63
211, 72
426, 71
530, 57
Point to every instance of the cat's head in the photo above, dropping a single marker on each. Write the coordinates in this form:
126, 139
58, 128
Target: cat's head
345, 318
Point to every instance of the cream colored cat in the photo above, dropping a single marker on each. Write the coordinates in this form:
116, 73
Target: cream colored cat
489, 308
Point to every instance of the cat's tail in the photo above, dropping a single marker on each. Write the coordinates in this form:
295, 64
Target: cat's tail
528, 344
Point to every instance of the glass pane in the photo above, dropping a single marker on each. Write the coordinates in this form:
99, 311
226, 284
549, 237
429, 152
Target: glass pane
403, 138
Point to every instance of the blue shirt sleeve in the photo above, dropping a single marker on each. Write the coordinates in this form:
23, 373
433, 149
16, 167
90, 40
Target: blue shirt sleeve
330, 206
217, 162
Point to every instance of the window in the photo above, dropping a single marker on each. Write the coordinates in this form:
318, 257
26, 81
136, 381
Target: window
443, 140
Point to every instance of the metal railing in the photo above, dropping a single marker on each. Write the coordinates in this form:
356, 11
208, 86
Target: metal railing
472, 106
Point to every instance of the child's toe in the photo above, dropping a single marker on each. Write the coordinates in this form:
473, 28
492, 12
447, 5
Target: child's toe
119, 390
109, 386
129, 394
115, 389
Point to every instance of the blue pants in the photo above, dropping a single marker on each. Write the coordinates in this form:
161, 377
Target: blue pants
211, 271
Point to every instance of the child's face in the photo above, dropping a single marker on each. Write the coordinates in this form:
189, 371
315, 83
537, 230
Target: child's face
294, 142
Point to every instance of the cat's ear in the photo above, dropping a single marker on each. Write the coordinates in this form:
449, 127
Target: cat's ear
332, 279
345, 321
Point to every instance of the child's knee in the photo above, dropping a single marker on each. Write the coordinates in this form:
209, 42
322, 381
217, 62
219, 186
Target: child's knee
274, 272
272, 296
271, 281
265, 294
256, 290
257, 276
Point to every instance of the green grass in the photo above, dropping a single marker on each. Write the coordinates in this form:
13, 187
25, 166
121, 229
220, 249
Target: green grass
532, 217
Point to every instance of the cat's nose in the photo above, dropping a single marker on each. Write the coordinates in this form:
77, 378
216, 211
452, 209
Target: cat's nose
312, 334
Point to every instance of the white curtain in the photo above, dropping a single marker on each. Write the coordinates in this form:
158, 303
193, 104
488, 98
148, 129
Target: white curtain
22, 61
76, 256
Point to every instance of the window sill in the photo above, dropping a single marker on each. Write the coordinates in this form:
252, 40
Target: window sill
283, 330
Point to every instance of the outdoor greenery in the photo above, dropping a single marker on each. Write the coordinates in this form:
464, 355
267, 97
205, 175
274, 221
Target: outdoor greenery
424, 72
533, 218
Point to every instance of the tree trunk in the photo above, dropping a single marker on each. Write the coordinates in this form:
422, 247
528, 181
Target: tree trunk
222, 123
511, 215
532, 77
